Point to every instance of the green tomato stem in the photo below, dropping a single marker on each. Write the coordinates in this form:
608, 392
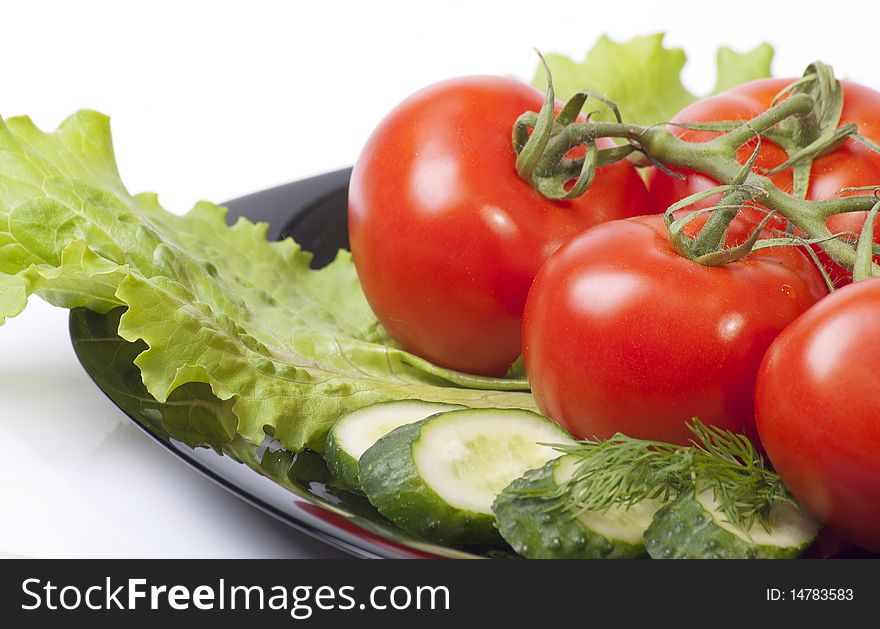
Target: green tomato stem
804, 120
717, 159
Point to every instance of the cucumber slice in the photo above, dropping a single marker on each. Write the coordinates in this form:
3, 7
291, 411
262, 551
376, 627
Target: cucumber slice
353, 433
538, 533
437, 478
692, 527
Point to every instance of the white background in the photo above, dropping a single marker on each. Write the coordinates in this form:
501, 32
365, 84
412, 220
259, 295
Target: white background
216, 99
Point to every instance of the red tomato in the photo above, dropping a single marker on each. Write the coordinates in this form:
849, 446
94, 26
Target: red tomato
818, 411
850, 165
622, 334
447, 238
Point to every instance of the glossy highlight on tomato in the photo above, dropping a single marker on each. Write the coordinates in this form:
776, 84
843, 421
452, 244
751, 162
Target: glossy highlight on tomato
622, 334
850, 165
818, 411
447, 238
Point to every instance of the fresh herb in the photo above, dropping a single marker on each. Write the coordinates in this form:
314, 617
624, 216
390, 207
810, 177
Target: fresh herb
625, 471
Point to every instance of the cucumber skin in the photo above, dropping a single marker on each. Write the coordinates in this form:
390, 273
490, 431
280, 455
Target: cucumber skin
392, 484
535, 533
684, 530
341, 464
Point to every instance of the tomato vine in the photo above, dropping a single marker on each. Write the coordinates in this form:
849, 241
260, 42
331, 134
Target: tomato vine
803, 120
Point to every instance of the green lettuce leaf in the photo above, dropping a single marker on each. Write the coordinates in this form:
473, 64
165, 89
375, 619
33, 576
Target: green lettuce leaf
736, 68
291, 348
644, 77
13, 296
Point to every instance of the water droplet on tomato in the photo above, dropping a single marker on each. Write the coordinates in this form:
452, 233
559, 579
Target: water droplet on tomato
789, 292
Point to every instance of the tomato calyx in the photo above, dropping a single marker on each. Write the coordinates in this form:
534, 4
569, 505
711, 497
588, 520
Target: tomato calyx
803, 119
809, 136
536, 135
708, 247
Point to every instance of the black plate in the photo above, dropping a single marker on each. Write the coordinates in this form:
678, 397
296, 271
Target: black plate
296, 488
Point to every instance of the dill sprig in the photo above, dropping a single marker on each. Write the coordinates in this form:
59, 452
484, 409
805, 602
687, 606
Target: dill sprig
623, 471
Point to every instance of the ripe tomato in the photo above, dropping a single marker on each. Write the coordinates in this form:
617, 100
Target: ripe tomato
447, 238
622, 334
850, 165
818, 411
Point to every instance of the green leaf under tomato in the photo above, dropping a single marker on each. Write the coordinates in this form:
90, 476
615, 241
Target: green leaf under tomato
735, 68
644, 77
292, 348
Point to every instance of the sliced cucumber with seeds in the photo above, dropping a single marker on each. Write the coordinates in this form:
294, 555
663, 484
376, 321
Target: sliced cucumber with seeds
535, 530
437, 478
693, 527
355, 432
